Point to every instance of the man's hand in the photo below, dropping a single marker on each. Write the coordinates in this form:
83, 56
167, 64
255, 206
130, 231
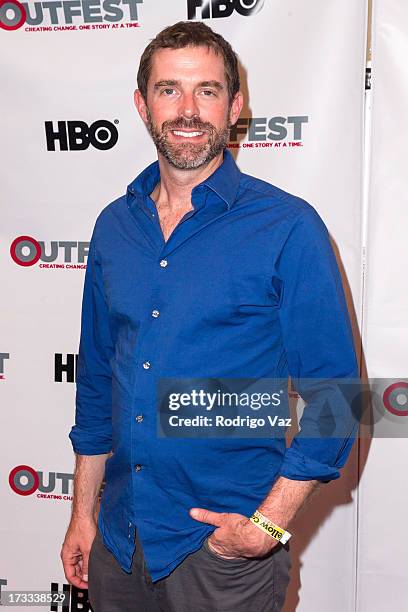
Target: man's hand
236, 535
89, 470
75, 551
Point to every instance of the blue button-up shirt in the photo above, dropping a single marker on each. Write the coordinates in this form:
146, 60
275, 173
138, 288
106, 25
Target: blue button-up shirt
246, 286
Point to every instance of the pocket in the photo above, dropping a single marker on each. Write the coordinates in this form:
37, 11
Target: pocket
212, 553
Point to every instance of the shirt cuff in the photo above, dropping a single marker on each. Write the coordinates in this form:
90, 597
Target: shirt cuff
90, 442
297, 466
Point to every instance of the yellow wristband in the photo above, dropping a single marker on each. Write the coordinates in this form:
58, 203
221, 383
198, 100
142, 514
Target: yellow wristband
270, 528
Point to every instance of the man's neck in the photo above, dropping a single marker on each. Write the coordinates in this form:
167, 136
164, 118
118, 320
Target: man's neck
175, 186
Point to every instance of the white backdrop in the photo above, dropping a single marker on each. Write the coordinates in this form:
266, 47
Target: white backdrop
383, 529
303, 62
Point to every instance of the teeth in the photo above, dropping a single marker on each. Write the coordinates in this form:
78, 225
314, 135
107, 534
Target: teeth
187, 134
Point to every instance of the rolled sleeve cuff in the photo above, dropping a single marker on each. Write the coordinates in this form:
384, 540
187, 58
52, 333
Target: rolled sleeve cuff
297, 466
90, 442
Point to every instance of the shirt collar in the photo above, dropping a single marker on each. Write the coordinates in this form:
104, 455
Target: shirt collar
224, 181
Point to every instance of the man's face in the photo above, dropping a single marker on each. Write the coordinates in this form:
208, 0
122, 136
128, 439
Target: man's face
187, 111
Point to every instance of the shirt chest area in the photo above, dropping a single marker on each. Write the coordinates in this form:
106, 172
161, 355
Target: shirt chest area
214, 271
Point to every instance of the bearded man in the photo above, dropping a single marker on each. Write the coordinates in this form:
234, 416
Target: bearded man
198, 271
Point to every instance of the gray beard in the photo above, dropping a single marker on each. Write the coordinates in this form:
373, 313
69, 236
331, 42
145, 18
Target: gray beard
187, 155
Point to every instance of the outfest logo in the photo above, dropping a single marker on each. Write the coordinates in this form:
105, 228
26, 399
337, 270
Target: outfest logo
62, 15
24, 480
64, 254
276, 132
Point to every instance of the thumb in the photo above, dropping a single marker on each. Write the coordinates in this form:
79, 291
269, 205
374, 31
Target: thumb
207, 516
84, 569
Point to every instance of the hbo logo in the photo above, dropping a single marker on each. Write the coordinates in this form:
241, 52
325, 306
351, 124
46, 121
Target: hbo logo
213, 9
77, 135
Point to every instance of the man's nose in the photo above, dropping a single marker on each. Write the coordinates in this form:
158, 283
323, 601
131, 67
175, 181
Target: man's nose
188, 106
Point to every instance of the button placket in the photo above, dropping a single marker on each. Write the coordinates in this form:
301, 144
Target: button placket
148, 352
155, 313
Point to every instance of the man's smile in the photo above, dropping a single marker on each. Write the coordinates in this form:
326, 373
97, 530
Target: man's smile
186, 134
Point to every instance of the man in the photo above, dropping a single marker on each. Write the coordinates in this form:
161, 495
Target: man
199, 271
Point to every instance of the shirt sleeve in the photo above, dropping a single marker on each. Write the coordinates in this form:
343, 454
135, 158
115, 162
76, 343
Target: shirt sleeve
319, 349
92, 432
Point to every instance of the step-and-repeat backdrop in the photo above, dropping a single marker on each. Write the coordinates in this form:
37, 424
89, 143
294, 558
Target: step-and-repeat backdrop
383, 528
71, 142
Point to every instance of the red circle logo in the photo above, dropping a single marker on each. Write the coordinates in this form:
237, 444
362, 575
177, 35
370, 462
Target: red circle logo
20, 15
18, 256
32, 480
395, 397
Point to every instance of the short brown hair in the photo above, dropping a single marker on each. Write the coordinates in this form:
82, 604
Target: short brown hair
190, 34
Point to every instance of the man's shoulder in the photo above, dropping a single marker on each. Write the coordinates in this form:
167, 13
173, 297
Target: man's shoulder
112, 212
273, 197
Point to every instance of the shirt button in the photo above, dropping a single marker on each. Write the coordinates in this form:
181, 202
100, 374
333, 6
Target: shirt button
139, 418
138, 467
146, 365
163, 263
155, 313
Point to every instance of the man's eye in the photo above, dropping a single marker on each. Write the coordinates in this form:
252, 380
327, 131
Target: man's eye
208, 92
168, 91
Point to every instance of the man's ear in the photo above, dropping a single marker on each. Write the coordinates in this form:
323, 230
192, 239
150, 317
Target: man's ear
140, 105
236, 107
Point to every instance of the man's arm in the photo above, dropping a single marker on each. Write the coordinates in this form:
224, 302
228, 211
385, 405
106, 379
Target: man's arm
321, 360
286, 499
320, 352
92, 432
91, 436
322, 363
89, 471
